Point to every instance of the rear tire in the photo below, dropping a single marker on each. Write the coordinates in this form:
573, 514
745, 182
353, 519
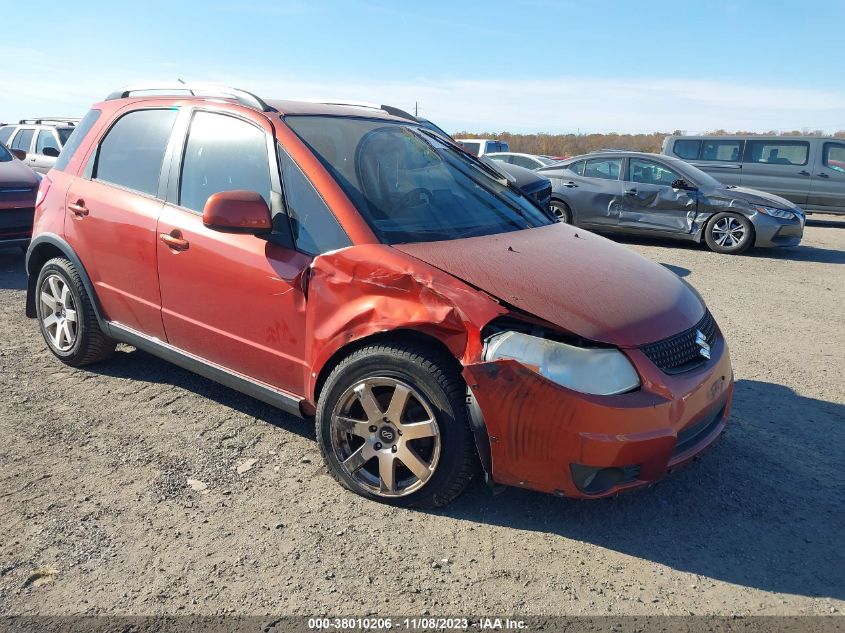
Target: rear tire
729, 233
562, 211
67, 318
392, 426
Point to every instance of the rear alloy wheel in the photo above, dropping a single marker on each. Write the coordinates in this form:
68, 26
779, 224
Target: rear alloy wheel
729, 233
561, 211
392, 425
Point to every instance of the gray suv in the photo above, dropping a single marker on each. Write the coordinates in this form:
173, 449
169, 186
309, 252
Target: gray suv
806, 170
42, 139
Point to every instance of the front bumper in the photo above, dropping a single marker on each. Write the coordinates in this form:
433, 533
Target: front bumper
770, 231
549, 438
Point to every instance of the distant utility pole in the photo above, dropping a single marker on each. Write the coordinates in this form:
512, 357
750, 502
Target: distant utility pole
416, 108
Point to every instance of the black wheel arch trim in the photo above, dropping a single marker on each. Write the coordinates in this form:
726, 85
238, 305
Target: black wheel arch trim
34, 264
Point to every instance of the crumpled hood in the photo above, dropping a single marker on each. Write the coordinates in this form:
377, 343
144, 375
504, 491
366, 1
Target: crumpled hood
572, 278
14, 173
755, 196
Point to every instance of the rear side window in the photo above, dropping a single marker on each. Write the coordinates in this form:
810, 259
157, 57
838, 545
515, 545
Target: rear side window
834, 156
725, 151
315, 229
45, 140
6, 132
132, 152
76, 138
777, 152
606, 168
687, 149
223, 154
496, 146
23, 140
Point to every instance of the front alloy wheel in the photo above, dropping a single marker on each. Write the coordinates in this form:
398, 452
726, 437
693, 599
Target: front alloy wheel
385, 437
729, 233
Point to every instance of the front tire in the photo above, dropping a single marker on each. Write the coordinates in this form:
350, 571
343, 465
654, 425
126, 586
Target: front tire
729, 233
392, 426
561, 211
67, 318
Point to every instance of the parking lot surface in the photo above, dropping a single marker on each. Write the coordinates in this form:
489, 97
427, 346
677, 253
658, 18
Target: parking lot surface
135, 487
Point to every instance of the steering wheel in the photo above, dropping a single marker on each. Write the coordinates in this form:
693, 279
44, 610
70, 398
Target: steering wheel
414, 197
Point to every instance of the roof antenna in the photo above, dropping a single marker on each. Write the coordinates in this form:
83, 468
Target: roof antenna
180, 80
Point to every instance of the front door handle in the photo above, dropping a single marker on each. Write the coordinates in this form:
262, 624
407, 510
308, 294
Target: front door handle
174, 240
631, 192
822, 175
570, 184
803, 172
78, 208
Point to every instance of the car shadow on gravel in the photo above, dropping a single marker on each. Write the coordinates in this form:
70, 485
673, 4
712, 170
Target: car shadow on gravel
12, 271
763, 508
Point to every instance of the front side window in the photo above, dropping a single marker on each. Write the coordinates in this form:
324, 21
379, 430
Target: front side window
606, 168
75, 139
315, 229
687, 149
223, 153
650, 172
23, 140
778, 152
725, 151
410, 185
833, 156
45, 140
132, 152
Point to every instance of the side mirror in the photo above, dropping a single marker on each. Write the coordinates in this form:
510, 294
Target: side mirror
18, 153
237, 212
680, 183
52, 152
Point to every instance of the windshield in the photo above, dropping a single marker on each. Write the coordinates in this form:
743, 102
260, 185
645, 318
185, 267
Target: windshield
411, 186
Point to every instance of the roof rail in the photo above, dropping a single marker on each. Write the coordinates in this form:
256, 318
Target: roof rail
366, 104
51, 119
195, 90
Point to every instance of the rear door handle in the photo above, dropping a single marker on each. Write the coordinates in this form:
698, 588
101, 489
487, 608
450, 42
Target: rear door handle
79, 209
174, 240
803, 172
822, 175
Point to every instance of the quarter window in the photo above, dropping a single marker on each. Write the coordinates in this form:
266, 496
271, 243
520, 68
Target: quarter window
23, 140
315, 229
834, 156
45, 140
75, 140
652, 173
725, 151
777, 152
132, 152
687, 149
607, 168
223, 154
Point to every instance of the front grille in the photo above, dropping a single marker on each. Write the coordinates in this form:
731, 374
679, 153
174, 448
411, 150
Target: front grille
693, 434
543, 196
14, 221
680, 352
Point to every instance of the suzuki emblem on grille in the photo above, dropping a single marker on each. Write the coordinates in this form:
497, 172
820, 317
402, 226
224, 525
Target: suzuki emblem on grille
701, 341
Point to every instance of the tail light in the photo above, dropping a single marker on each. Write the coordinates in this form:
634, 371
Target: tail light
43, 188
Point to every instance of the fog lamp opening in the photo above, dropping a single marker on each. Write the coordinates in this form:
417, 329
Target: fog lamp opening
594, 480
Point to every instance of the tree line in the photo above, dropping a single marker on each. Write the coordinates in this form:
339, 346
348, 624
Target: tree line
575, 144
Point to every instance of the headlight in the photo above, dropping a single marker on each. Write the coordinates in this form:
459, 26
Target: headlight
777, 213
597, 371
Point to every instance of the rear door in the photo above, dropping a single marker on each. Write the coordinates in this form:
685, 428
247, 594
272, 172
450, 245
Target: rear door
827, 190
651, 203
233, 299
781, 167
112, 214
595, 191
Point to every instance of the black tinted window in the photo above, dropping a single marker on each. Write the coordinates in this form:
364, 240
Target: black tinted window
721, 150
834, 156
76, 138
315, 229
223, 154
132, 152
777, 152
687, 149
6, 132
607, 168
23, 139
45, 140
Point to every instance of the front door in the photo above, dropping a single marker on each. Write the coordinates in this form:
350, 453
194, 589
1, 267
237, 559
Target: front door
652, 203
827, 190
235, 300
112, 217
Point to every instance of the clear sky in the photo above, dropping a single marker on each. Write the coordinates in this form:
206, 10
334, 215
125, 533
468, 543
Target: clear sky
519, 66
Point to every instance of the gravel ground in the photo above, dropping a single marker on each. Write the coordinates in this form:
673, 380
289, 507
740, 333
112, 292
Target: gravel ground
135, 487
